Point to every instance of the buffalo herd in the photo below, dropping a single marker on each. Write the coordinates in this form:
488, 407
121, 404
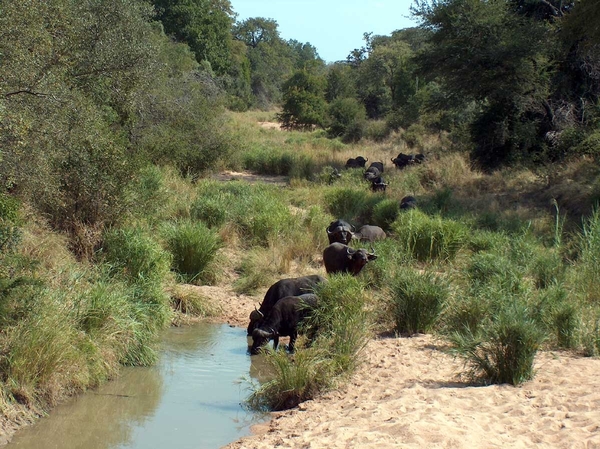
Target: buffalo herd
289, 301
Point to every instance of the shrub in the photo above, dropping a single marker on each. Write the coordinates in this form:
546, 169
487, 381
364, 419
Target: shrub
10, 234
353, 205
149, 313
505, 349
147, 193
212, 209
429, 238
341, 321
547, 270
376, 130
256, 271
338, 331
589, 145
413, 136
480, 241
346, 117
566, 325
385, 213
263, 217
193, 246
134, 255
295, 379
590, 332
417, 300
588, 264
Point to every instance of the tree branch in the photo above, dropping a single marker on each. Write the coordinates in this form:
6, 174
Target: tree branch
25, 91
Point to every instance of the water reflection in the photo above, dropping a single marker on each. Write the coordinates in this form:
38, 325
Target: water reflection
191, 399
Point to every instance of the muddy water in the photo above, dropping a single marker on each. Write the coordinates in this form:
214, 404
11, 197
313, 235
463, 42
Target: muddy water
190, 400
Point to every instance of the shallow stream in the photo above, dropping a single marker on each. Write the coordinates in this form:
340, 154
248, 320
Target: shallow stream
192, 399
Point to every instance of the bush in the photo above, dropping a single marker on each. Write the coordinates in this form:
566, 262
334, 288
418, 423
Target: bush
353, 205
547, 270
10, 234
255, 272
295, 379
385, 213
413, 136
417, 300
212, 209
376, 130
429, 238
504, 351
587, 267
590, 145
341, 321
565, 320
263, 217
133, 255
147, 193
193, 246
346, 117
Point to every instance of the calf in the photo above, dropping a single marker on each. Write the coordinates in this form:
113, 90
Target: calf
283, 321
281, 289
340, 258
368, 233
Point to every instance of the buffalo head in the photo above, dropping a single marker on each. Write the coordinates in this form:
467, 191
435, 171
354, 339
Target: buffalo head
358, 259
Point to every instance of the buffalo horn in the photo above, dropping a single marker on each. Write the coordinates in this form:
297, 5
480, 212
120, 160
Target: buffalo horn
262, 333
256, 315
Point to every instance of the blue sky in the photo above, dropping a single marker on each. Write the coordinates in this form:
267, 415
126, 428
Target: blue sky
334, 27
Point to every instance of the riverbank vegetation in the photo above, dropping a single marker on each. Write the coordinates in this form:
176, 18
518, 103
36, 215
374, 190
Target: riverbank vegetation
114, 119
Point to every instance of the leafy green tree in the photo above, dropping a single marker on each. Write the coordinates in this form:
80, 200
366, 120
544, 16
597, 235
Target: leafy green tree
181, 118
271, 58
205, 25
347, 118
69, 73
83, 88
484, 52
306, 56
341, 82
389, 67
304, 103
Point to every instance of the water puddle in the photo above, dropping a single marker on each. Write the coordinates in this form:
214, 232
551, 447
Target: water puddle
190, 400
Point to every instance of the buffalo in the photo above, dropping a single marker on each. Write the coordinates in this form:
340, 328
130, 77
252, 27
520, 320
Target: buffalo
371, 173
358, 162
404, 160
340, 258
281, 289
283, 321
378, 184
368, 233
377, 165
339, 231
408, 202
